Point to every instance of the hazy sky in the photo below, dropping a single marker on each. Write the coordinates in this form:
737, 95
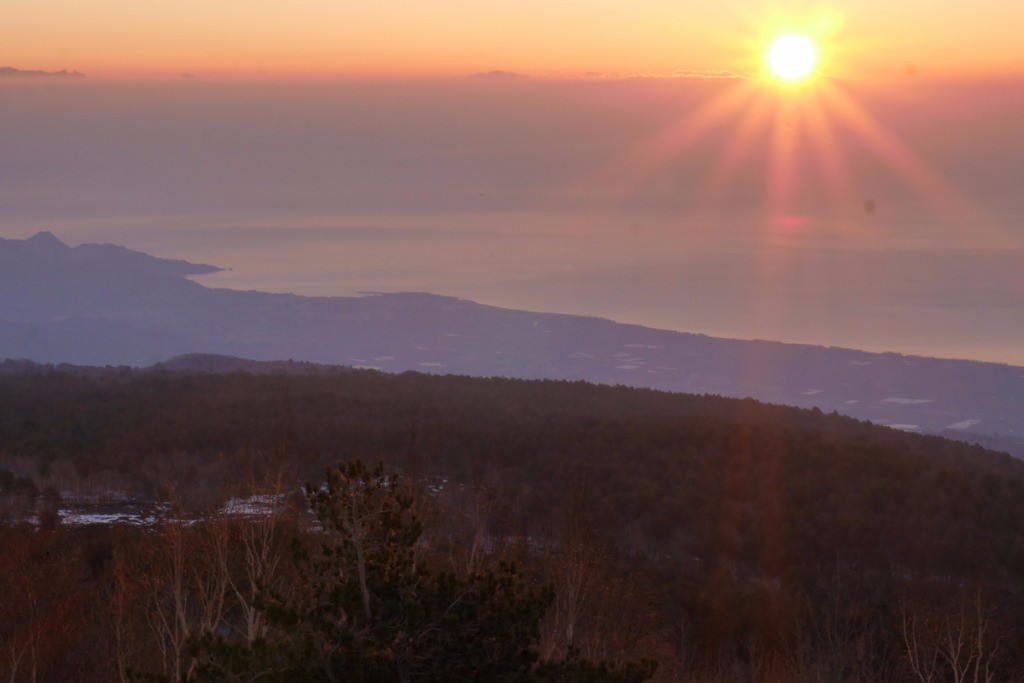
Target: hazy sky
109, 38
639, 167
848, 215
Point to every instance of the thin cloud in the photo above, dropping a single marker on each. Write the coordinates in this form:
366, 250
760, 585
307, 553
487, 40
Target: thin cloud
705, 74
678, 74
497, 74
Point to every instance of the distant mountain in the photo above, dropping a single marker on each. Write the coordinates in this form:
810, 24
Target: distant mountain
104, 304
11, 72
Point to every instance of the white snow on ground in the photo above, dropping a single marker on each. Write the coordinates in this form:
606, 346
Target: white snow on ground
253, 506
907, 401
144, 514
150, 514
963, 424
76, 519
906, 428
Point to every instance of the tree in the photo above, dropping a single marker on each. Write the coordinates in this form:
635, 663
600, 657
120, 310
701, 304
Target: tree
959, 642
370, 609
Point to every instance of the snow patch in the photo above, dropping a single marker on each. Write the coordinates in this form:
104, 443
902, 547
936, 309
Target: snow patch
106, 518
253, 506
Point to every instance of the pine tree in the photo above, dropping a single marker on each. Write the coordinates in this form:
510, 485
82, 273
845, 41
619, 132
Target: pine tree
368, 611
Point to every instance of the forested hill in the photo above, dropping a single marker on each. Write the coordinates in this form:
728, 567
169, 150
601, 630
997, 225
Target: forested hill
665, 471
705, 533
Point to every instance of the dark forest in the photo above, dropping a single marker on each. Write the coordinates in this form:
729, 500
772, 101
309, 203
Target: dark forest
635, 533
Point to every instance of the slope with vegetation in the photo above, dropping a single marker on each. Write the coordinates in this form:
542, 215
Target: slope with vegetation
718, 537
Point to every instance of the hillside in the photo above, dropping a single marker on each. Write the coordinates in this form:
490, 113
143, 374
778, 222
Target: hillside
647, 459
716, 532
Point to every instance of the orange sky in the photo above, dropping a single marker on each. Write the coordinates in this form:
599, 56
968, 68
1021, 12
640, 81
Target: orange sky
112, 38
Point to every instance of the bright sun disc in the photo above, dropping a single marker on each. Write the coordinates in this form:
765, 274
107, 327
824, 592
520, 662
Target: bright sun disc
792, 57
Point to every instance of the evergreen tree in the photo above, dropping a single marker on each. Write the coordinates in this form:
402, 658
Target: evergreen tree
367, 610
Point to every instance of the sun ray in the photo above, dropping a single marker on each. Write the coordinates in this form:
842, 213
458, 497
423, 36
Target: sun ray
754, 123
685, 132
805, 137
634, 169
828, 154
782, 161
897, 155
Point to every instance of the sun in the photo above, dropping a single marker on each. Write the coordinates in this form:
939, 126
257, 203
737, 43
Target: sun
792, 57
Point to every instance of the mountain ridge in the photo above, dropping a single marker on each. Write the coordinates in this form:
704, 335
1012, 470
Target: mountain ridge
108, 305
11, 72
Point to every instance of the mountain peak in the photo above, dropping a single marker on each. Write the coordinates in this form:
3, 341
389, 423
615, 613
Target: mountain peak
47, 240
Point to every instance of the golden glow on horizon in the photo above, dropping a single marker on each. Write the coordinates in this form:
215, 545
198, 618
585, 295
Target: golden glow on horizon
269, 38
792, 57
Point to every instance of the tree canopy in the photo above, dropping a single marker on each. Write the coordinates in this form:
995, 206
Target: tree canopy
367, 609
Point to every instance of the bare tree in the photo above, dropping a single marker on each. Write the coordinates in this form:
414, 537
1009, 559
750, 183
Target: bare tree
957, 643
259, 550
178, 582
